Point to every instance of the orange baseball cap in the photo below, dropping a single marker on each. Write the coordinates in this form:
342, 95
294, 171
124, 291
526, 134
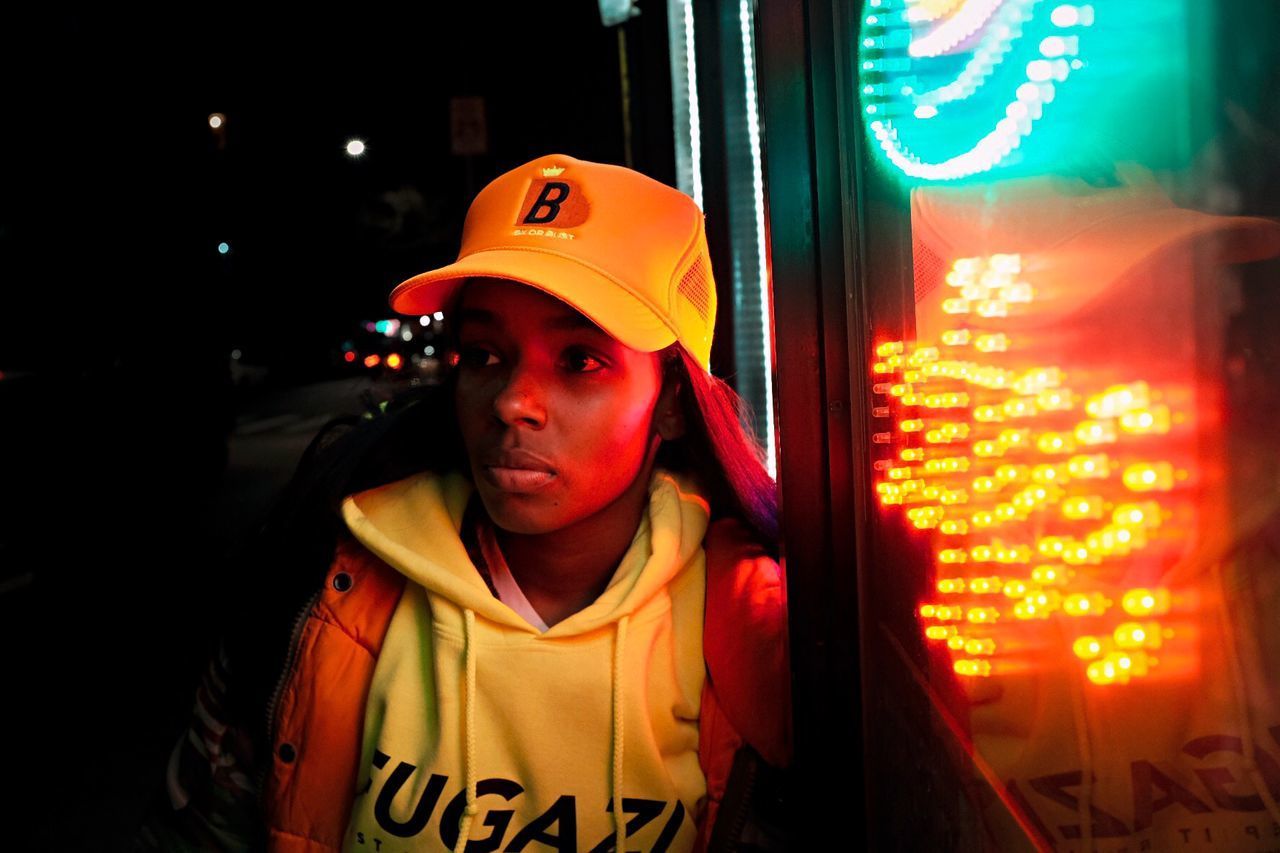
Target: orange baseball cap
628, 252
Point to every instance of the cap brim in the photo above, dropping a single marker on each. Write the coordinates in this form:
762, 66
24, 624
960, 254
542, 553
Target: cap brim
602, 299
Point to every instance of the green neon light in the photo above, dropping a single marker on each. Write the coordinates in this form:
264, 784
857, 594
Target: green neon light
951, 91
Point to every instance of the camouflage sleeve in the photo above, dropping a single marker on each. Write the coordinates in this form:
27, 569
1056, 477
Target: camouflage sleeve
209, 800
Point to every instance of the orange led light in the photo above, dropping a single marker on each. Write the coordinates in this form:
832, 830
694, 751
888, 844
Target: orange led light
992, 308
1146, 514
982, 615
950, 585
1087, 647
1078, 554
1119, 399
924, 355
987, 449
946, 401
1082, 507
1015, 437
890, 348
955, 642
911, 425
1118, 668
1017, 293
1146, 602
1096, 432
980, 668
985, 586
1138, 635
954, 527
1037, 380
1044, 473
947, 465
1020, 407
1013, 473
940, 632
1115, 540
1016, 554
1153, 421
1096, 466
925, 517
986, 485
1055, 400
1048, 575
953, 555
1056, 442
980, 646
991, 343
1103, 672
983, 519
1149, 477
1015, 589
1006, 512
1052, 546
1086, 604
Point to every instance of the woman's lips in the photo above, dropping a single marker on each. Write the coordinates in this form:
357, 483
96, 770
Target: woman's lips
518, 480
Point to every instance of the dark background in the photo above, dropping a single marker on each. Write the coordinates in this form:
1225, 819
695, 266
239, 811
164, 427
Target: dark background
136, 451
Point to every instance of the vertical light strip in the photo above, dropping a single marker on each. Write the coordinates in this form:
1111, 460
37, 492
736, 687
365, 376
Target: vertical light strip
757, 189
691, 85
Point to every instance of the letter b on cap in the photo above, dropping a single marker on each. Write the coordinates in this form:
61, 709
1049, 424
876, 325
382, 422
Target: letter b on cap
546, 207
558, 203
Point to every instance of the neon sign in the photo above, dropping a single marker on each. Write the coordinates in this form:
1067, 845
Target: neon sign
1043, 493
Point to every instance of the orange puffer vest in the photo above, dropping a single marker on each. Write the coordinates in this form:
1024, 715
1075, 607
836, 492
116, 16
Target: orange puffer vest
317, 719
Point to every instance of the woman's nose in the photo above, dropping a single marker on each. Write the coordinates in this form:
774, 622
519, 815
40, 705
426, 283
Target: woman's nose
520, 401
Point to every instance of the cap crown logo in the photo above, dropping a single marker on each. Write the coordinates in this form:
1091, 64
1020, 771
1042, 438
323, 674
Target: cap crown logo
554, 202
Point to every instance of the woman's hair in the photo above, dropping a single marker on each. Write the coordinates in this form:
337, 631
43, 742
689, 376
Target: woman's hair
416, 430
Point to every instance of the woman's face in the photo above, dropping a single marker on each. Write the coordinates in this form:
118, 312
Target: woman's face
539, 386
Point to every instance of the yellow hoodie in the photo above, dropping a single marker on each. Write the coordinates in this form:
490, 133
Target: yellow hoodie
480, 726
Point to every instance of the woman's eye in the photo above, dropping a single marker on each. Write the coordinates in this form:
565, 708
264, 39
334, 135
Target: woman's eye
581, 361
474, 356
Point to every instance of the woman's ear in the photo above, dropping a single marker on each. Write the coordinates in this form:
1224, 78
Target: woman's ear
668, 414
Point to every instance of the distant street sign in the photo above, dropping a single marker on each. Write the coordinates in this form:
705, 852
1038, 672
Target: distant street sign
470, 134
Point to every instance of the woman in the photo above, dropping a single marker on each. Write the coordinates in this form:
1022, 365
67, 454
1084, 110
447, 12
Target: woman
552, 614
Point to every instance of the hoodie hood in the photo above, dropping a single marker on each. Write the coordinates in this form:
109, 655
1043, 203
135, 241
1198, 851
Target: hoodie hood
415, 526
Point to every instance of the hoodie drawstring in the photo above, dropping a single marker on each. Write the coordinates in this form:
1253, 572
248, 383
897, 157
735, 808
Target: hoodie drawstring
619, 819
468, 730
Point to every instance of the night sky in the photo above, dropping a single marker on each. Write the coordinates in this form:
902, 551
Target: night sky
116, 192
